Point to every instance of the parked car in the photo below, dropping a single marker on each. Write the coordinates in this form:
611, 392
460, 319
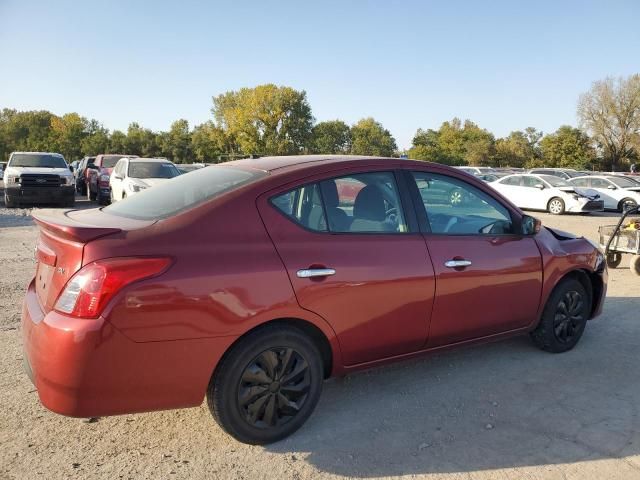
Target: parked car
80, 174
492, 177
618, 192
38, 177
253, 280
132, 175
547, 192
564, 173
477, 170
97, 177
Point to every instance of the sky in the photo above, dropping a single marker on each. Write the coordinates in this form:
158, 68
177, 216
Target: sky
505, 65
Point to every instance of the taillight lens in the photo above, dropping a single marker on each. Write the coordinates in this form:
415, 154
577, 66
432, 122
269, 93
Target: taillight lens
90, 289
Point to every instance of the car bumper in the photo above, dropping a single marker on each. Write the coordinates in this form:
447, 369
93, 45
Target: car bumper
590, 206
41, 195
88, 368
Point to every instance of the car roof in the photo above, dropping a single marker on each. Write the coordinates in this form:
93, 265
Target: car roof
40, 153
149, 160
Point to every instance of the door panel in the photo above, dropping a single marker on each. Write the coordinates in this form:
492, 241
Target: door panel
499, 291
380, 298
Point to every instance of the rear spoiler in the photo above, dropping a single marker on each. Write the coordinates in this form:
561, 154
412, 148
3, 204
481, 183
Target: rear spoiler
59, 224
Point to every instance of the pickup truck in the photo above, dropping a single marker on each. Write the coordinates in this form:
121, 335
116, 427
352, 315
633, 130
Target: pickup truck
97, 177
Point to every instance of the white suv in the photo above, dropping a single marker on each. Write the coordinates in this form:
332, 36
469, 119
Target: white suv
38, 177
132, 175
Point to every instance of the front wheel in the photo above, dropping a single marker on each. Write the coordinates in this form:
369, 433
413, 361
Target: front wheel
614, 259
627, 204
90, 195
9, 203
267, 385
564, 317
556, 206
635, 264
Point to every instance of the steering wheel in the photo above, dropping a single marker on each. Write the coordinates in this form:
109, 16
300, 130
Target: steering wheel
391, 215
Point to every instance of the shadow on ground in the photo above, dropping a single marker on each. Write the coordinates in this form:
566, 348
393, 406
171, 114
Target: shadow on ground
495, 406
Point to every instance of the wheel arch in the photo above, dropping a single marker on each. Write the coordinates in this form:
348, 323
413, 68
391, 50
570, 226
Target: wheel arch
591, 281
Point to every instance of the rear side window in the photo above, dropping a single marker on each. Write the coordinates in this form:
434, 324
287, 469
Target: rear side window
360, 203
183, 192
515, 180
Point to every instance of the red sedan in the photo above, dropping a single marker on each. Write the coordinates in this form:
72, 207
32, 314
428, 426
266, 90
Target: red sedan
251, 282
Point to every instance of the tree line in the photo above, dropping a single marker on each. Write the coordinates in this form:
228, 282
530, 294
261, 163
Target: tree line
278, 120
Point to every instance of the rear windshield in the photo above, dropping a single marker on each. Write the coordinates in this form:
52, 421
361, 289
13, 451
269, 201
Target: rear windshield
152, 170
109, 161
183, 192
41, 160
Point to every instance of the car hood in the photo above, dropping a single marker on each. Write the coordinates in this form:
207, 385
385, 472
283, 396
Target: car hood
149, 182
583, 192
38, 170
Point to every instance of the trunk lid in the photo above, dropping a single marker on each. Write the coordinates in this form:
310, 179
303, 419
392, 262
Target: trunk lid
60, 246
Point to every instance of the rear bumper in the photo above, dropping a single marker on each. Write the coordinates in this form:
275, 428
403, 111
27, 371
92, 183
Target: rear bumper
88, 368
41, 195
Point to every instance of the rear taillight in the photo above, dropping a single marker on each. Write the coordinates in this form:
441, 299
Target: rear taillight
90, 289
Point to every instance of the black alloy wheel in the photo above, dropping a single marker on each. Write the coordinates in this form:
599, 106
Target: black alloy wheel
274, 387
569, 316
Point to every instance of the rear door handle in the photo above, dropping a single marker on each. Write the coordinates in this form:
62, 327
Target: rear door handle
315, 272
457, 263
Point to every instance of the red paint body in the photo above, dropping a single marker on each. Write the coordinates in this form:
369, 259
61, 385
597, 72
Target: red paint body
157, 343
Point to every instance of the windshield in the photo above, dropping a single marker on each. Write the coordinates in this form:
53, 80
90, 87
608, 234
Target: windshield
152, 170
109, 161
41, 160
623, 182
183, 192
554, 181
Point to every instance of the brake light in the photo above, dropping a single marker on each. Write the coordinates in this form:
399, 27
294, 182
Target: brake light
90, 289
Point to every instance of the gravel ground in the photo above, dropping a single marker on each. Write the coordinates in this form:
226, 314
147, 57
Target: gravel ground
504, 410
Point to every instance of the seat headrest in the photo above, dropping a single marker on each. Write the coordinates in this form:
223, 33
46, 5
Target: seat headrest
369, 204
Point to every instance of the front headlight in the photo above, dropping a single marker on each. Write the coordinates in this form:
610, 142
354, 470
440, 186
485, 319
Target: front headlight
66, 180
13, 180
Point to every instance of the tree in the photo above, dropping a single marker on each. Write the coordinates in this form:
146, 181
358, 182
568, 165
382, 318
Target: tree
568, 147
610, 113
141, 141
67, 134
117, 142
266, 120
177, 142
519, 149
97, 139
209, 142
369, 137
333, 136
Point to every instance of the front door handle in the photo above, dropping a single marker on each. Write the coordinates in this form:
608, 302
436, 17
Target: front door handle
315, 272
457, 263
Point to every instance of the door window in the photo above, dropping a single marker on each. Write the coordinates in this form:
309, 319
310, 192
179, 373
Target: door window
580, 182
359, 203
454, 207
514, 180
529, 181
599, 183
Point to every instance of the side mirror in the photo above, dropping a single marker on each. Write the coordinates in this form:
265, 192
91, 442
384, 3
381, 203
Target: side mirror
530, 225
612, 187
71, 168
117, 177
539, 186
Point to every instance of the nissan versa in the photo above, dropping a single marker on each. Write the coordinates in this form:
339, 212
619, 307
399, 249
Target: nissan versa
251, 282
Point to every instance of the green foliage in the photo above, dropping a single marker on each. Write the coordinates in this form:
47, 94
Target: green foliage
209, 143
333, 136
520, 149
568, 147
265, 120
369, 137
176, 144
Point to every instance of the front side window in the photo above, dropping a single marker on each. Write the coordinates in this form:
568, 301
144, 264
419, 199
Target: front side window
454, 207
529, 181
360, 203
599, 183
580, 182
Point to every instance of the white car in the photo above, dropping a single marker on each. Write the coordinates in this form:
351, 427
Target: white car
38, 177
132, 175
546, 192
477, 170
618, 192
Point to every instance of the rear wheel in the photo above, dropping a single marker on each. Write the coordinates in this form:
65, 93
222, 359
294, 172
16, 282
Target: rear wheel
614, 259
627, 204
456, 197
267, 385
556, 206
635, 264
564, 317
91, 196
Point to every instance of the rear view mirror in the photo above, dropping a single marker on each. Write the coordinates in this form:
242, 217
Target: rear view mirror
530, 225
539, 185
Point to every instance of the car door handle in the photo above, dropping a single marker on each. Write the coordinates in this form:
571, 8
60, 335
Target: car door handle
315, 272
457, 263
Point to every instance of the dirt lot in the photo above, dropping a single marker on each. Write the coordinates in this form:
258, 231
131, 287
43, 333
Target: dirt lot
504, 410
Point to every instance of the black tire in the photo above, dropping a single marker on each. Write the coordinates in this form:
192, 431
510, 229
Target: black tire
634, 265
70, 203
555, 206
8, 202
614, 259
91, 196
564, 317
261, 360
626, 204
101, 199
